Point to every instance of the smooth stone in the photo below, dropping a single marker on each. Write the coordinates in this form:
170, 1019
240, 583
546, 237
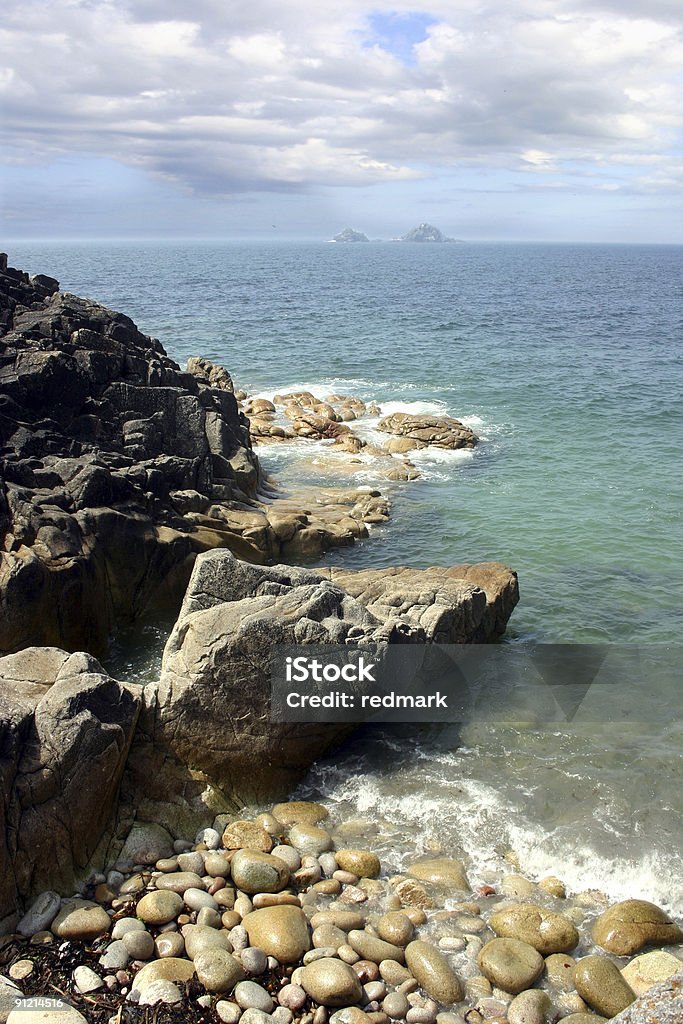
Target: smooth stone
543, 929
275, 899
281, 932
21, 969
318, 954
239, 937
331, 982
289, 855
127, 924
254, 872
166, 864
159, 907
51, 1011
191, 863
517, 885
396, 928
626, 927
139, 945
81, 919
169, 944
328, 862
553, 886
249, 995
86, 980
347, 920
200, 938
444, 872
292, 996
420, 1015
134, 884
393, 972
218, 970
362, 863
116, 955
225, 897
433, 972
179, 881
229, 1013
282, 1015
650, 969
351, 1015
246, 835
170, 968
348, 955
210, 918
328, 886
560, 971
269, 822
531, 1007
253, 960
255, 1016
160, 992
396, 1005
310, 839
40, 915
216, 865
583, 1018
510, 964
295, 812
199, 899
328, 935
367, 970
370, 947
209, 837
374, 991
599, 982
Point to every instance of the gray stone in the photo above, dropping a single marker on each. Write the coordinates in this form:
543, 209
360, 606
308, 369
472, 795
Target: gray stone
86, 980
253, 960
249, 995
199, 938
41, 914
139, 944
116, 955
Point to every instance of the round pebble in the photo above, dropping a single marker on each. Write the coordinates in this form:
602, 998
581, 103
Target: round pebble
396, 1005
160, 992
159, 907
169, 944
218, 970
253, 960
250, 995
292, 996
139, 945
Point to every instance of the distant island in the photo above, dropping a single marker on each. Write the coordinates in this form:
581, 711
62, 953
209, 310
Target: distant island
349, 235
425, 233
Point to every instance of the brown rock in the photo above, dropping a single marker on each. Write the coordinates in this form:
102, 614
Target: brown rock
628, 926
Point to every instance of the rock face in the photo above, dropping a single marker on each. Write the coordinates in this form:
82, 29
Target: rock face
349, 235
206, 735
65, 732
106, 444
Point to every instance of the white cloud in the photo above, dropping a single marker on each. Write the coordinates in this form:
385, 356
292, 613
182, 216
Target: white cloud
277, 94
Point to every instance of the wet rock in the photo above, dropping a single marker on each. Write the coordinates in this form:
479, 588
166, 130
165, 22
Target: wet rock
643, 972
662, 1004
510, 964
442, 872
543, 929
599, 982
628, 926
438, 431
560, 971
362, 863
331, 982
246, 834
254, 872
309, 839
372, 948
396, 928
281, 932
433, 972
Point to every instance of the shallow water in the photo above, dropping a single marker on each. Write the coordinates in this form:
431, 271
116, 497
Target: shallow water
568, 361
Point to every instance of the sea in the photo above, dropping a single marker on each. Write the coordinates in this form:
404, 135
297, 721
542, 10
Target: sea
567, 361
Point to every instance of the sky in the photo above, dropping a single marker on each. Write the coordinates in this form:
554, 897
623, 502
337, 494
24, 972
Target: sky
538, 120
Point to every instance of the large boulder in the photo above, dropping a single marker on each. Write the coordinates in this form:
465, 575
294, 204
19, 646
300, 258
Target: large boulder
65, 732
662, 1004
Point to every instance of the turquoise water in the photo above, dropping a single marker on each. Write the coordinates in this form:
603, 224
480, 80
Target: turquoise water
568, 361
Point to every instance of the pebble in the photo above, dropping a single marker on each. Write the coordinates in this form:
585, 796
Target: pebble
318, 954
179, 881
165, 864
628, 926
413, 894
229, 1013
243, 834
160, 992
192, 863
210, 837
599, 981
511, 964
531, 1007
328, 862
81, 919
543, 929
169, 944
295, 812
126, 924
370, 947
310, 839
328, 935
116, 955
270, 823
159, 907
345, 877
250, 995
230, 919
347, 954
200, 938
393, 972
331, 982
281, 1015
396, 1005
275, 899
40, 915
255, 1016
292, 996
21, 969
517, 885
433, 972
553, 886
344, 919
243, 905
649, 969
198, 899
367, 970
560, 971
218, 970
281, 932
139, 945
443, 872
328, 886
86, 980
396, 928
209, 917
239, 937
374, 991
253, 960
216, 864
420, 1015
169, 969
289, 855
254, 872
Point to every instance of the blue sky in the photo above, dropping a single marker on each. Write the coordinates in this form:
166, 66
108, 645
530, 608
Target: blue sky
540, 120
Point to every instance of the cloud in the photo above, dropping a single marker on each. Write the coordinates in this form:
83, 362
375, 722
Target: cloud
225, 98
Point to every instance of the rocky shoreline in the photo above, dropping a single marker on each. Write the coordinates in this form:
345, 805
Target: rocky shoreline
283, 919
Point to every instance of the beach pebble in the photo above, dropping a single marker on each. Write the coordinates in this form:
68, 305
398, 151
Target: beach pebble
367, 970
328, 862
543, 929
318, 954
517, 885
560, 971
510, 964
331, 982
393, 972
396, 928
254, 872
413, 894
344, 919
443, 872
292, 996
374, 991
239, 938
166, 864
241, 835
347, 954
169, 969
127, 924
370, 947
191, 863
250, 995
328, 935
243, 905
200, 938
530, 1007
289, 855
269, 822
160, 992
21, 969
296, 812
433, 972
255, 1016
310, 839
209, 917
169, 944
116, 955
138, 944
553, 886
230, 919
81, 919
328, 886
229, 1013
216, 864
345, 877
396, 1005
179, 881
281, 932
282, 1015
253, 960
628, 926
599, 981
583, 1018
363, 863
197, 899
218, 970
649, 969
420, 1015
85, 980
209, 837
159, 907
40, 915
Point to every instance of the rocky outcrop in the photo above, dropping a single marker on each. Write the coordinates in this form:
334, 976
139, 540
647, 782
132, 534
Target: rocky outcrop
425, 233
207, 741
65, 732
349, 235
423, 431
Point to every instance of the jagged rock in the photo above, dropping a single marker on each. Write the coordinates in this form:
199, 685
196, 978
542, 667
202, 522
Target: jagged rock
65, 731
439, 431
662, 1004
349, 235
425, 233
